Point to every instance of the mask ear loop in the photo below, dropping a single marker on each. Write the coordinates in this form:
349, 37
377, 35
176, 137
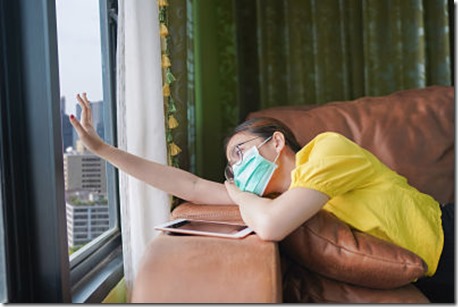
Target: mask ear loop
276, 158
266, 140
275, 168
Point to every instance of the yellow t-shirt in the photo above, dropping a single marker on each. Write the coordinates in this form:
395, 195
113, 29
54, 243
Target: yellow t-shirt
369, 196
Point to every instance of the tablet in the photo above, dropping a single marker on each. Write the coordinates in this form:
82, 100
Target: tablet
205, 228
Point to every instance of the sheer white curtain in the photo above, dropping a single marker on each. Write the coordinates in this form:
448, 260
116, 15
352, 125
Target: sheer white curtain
140, 125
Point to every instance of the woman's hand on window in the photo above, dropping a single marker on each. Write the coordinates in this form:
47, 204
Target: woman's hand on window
85, 127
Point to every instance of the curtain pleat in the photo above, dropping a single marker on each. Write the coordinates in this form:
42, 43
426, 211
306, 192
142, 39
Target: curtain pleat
300, 44
353, 23
272, 52
437, 34
190, 98
227, 68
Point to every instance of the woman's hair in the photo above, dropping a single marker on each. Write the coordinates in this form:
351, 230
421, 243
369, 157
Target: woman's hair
265, 127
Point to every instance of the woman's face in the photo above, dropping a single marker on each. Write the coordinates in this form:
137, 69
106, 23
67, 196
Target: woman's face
241, 143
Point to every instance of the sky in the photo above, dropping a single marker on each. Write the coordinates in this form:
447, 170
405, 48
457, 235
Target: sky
78, 38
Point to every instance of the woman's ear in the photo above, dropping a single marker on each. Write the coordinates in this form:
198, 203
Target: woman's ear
278, 141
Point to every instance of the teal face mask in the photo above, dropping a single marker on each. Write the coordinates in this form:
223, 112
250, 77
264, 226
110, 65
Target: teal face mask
254, 172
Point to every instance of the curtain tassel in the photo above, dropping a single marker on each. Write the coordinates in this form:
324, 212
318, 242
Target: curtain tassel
174, 149
162, 3
163, 31
166, 90
166, 61
173, 123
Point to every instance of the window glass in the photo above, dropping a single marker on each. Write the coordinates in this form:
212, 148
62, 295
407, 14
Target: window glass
80, 70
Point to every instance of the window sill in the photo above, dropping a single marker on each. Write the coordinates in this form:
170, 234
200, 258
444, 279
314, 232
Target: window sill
93, 278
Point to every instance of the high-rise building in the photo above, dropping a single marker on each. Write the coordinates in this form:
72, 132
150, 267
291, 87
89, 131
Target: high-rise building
86, 222
84, 171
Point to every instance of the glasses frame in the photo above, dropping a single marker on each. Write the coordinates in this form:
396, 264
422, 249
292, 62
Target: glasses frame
228, 171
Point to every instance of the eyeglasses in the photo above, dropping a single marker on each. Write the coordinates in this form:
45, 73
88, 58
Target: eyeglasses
237, 152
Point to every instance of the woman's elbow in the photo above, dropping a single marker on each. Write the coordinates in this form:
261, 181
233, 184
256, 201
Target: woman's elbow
267, 231
267, 236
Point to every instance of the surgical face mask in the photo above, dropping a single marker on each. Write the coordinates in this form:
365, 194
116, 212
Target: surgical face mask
254, 172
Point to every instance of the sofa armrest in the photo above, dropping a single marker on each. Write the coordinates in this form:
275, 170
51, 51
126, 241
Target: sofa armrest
197, 269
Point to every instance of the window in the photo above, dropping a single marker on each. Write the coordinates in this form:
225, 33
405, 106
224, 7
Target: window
86, 44
33, 203
80, 69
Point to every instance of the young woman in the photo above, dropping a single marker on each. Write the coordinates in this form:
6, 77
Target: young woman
330, 172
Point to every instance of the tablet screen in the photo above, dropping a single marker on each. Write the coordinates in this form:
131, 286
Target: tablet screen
206, 228
209, 226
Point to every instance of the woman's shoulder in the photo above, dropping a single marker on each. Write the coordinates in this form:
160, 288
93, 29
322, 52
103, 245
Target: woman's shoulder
328, 143
330, 135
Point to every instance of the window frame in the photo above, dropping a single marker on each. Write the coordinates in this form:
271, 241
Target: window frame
38, 266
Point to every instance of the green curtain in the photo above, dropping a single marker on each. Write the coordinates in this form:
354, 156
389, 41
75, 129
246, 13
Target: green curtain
216, 81
242, 56
319, 51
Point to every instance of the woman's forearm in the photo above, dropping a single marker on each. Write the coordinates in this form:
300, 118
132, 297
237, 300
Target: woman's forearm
274, 219
169, 179
256, 212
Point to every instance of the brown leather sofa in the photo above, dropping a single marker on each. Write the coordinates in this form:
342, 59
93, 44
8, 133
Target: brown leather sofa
324, 260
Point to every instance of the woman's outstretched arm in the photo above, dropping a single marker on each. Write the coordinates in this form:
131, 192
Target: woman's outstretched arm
171, 180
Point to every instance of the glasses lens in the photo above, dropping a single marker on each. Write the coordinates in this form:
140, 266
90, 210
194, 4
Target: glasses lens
238, 158
239, 155
228, 173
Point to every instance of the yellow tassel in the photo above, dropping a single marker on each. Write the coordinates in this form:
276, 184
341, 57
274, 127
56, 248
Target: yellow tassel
166, 90
173, 123
165, 61
162, 3
163, 31
174, 149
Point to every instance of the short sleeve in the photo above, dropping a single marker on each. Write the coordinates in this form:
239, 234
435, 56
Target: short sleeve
333, 165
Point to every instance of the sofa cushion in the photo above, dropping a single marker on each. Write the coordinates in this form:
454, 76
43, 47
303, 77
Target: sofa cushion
411, 131
304, 286
328, 246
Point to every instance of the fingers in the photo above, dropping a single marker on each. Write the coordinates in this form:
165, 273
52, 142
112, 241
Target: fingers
86, 115
86, 101
83, 101
76, 124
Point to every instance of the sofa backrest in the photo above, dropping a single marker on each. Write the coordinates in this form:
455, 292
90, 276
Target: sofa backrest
411, 131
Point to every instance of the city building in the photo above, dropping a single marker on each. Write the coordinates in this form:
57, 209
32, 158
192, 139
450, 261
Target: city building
84, 171
85, 193
86, 221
